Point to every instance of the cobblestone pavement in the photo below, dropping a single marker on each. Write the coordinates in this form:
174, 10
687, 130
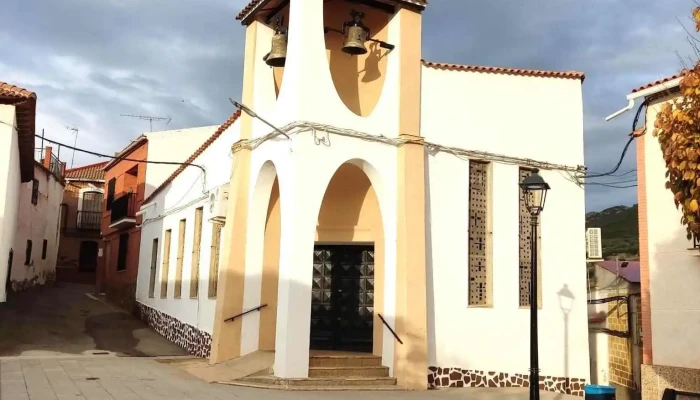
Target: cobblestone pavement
140, 378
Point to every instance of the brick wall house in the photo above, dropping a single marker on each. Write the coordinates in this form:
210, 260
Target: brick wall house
125, 179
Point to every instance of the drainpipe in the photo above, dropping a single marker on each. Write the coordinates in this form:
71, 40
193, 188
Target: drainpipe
646, 93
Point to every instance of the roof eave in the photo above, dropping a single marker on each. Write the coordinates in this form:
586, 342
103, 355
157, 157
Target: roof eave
661, 87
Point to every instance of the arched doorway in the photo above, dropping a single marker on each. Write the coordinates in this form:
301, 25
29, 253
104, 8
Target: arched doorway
348, 266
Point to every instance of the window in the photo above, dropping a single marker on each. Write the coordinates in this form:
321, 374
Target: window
110, 192
123, 249
479, 268
180, 258
166, 265
525, 266
35, 191
214, 260
196, 243
154, 263
28, 253
43, 249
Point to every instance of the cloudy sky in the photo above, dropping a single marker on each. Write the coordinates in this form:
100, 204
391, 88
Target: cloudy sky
90, 61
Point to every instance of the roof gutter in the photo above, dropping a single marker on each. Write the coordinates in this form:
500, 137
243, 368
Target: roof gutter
645, 93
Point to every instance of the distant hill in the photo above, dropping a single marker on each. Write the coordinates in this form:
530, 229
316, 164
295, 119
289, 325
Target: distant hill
620, 230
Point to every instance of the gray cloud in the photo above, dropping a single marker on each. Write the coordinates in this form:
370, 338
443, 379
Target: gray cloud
92, 61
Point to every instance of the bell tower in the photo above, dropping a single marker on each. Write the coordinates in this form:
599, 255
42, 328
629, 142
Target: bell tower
349, 64
335, 61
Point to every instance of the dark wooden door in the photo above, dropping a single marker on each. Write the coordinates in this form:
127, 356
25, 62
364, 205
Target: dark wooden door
88, 256
342, 304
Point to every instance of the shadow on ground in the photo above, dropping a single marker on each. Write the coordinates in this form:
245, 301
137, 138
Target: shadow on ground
61, 320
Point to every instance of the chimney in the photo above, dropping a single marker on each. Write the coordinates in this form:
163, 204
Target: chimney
63, 169
47, 157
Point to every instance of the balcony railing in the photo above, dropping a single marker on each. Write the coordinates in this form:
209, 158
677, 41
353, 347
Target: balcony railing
89, 220
123, 209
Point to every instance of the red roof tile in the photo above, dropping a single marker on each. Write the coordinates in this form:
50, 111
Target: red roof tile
509, 71
92, 172
659, 82
196, 154
25, 103
250, 7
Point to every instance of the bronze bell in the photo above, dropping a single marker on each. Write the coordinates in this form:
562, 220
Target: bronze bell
355, 41
278, 54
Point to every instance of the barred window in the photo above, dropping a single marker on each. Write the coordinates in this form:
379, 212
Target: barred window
479, 199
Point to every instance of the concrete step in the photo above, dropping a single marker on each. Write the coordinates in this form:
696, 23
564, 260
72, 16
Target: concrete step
349, 372
352, 383
344, 361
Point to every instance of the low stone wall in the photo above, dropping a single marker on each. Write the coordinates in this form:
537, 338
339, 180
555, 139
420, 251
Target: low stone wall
195, 341
457, 377
122, 295
657, 378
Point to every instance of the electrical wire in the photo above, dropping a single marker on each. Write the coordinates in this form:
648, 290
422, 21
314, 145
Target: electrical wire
633, 136
122, 158
304, 126
610, 185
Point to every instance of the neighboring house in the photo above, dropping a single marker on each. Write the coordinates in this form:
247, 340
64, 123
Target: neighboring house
390, 223
614, 317
131, 177
81, 216
17, 119
670, 283
125, 179
37, 234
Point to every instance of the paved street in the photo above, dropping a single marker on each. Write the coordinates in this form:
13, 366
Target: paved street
63, 320
122, 378
57, 343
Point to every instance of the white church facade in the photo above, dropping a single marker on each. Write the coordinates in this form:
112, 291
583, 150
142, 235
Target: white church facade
382, 216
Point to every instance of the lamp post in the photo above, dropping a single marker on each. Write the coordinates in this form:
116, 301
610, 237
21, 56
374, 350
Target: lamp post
535, 190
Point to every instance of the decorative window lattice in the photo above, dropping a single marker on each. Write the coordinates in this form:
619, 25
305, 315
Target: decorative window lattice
525, 246
478, 208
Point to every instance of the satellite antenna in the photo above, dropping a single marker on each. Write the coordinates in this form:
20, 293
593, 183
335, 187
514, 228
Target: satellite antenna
149, 119
75, 130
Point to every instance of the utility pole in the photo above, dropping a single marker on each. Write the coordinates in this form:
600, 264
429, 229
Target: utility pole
75, 130
149, 119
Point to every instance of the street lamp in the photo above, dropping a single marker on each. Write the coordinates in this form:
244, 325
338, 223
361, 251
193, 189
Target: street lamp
535, 190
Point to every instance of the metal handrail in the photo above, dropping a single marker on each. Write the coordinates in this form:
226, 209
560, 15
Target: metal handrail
258, 308
390, 329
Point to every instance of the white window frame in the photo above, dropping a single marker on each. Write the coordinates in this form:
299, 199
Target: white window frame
81, 193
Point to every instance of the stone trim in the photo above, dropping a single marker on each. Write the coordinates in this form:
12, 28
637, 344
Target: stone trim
195, 341
457, 377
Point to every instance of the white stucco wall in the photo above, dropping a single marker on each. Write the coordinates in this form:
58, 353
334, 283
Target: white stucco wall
174, 145
37, 223
179, 201
674, 271
524, 117
9, 193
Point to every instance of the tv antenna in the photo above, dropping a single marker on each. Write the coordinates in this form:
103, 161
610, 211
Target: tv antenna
75, 130
149, 119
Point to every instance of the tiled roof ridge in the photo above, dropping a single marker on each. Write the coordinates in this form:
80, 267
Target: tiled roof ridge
99, 164
506, 70
14, 91
196, 154
254, 3
660, 81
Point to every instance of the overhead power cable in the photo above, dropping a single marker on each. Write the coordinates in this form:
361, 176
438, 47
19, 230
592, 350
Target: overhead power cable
122, 158
633, 136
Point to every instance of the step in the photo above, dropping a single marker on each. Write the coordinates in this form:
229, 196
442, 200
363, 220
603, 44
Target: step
349, 372
325, 383
346, 361
310, 388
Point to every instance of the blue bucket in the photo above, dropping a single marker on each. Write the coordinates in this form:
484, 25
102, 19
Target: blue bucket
599, 392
